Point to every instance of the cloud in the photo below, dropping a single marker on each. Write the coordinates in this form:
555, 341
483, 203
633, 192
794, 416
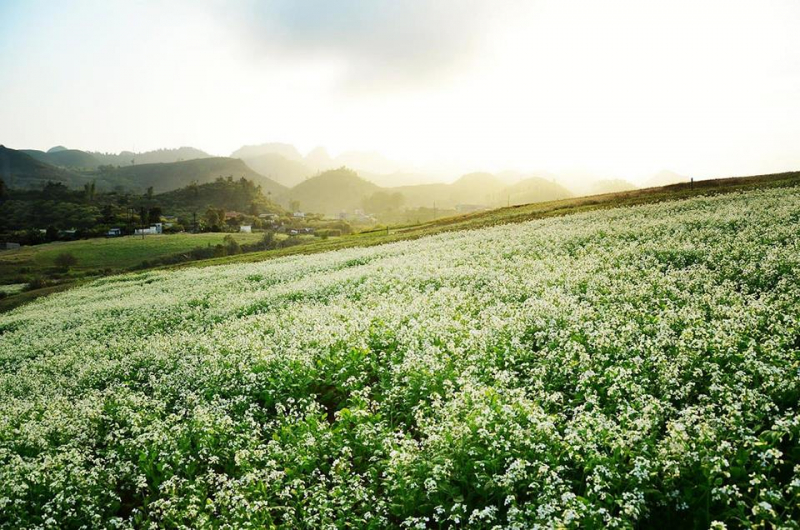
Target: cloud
377, 41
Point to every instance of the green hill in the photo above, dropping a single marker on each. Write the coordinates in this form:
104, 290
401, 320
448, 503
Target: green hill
171, 176
238, 195
70, 158
21, 170
331, 192
534, 189
159, 156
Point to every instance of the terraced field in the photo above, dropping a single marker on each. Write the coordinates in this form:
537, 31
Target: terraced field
630, 367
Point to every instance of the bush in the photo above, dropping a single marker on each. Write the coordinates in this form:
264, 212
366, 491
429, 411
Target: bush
66, 260
231, 245
37, 282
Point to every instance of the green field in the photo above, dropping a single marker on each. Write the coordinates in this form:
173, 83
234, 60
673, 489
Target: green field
98, 254
633, 367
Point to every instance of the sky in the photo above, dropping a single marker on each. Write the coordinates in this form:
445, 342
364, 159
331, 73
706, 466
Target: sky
620, 88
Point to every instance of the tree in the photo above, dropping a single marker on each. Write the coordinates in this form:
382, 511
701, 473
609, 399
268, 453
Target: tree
294, 205
215, 218
231, 245
149, 193
3, 190
154, 215
383, 202
52, 233
108, 214
65, 261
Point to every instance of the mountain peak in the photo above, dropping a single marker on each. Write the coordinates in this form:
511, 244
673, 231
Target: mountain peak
287, 151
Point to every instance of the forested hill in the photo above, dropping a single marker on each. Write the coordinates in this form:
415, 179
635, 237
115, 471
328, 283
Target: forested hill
234, 195
168, 177
21, 170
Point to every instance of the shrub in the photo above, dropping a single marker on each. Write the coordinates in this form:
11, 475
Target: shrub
37, 282
66, 260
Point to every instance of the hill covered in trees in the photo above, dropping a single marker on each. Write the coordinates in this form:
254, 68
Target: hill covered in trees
77, 159
240, 195
23, 170
163, 177
331, 192
19, 169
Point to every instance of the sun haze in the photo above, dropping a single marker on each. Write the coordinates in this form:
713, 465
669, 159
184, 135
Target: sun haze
617, 88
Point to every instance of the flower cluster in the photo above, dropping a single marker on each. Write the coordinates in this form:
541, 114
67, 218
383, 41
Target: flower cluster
617, 368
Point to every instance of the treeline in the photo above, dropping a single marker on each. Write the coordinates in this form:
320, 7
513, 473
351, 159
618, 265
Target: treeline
56, 212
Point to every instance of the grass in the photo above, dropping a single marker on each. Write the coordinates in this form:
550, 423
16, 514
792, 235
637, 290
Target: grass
100, 254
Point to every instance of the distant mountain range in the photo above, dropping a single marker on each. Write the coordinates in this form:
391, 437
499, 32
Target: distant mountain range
75, 159
317, 181
343, 189
20, 169
286, 165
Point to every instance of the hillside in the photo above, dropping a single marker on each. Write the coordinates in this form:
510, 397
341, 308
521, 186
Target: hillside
233, 195
331, 192
21, 170
481, 189
584, 371
77, 159
70, 158
287, 151
158, 156
171, 176
610, 186
665, 178
534, 189
279, 168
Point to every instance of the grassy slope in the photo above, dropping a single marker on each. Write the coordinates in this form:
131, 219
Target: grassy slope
116, 253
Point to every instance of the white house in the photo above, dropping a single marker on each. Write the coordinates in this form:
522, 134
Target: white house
157, 228
246, 229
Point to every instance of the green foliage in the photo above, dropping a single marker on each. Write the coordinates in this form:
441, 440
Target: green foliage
383, 202
65, 261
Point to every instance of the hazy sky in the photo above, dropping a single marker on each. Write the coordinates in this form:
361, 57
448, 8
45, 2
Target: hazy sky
622, 88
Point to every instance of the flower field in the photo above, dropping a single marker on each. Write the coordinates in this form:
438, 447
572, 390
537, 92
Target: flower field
634, 367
